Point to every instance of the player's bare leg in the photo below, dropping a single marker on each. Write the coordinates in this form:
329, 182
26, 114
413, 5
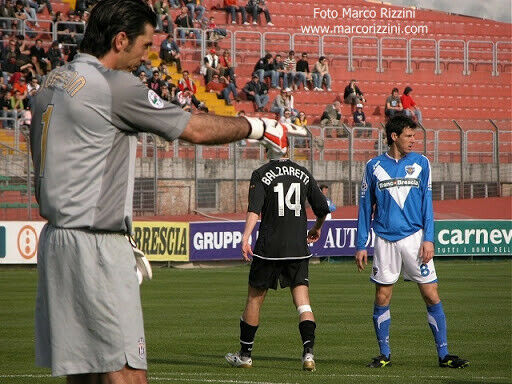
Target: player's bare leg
437, 323
255, 298
383, 294
126, 375
307, 325
248, 326
381, 323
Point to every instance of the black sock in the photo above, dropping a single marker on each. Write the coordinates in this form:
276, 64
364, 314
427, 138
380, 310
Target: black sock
307, 333
247, 333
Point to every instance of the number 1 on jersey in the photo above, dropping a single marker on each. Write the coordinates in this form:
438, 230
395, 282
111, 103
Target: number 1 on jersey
45, 120
293, 191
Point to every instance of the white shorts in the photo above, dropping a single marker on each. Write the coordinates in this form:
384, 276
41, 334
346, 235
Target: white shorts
391, 255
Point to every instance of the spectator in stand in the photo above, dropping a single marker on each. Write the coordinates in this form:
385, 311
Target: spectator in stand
213, 33
21, 87
290, 102
265, 68
184, 99
5, 104
232, 8
186, 82
55, 55
37, 69
167, 94
145, 66
170, 52
222, 87
143, 77
161, 8
257, 91
24, 49
287, 117
290, 66
210, 66
17, 107
332, 118
303, 74
32, 88
12, 59
360, 121
196, 9
353, 94
410, 108
38, 51
186, 26
226, 67
8, 12
321, 74
279, 104
155, 83
301, 119
255, 7
393, 104
281, 71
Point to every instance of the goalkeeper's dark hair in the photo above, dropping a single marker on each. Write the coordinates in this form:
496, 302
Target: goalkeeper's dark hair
109, 17
397, 124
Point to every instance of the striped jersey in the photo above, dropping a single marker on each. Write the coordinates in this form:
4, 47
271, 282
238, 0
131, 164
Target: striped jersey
399, 195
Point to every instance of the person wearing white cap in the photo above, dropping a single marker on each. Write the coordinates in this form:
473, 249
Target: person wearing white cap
360, 121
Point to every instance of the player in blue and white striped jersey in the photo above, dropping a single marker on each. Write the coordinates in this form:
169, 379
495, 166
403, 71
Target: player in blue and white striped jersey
397, 190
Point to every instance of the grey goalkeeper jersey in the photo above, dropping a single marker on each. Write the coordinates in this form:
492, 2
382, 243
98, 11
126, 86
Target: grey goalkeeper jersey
84, 139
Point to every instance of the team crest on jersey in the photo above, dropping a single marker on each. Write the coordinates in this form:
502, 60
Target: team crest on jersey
142, 348
409, 169
155, 100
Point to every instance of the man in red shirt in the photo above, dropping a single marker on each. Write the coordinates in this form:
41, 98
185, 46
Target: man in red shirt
187, 82
222, 88
410, 108
232, 7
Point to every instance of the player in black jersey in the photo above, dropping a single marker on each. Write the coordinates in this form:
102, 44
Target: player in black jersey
278, 191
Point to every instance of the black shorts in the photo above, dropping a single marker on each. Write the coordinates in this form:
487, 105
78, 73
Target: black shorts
264, 274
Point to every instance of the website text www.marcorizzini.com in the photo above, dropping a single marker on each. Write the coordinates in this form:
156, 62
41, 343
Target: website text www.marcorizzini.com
378, 21
372, 29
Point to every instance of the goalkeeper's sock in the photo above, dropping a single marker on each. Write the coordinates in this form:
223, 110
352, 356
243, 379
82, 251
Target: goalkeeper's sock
247, 333
437, 323
382, 322
307, 333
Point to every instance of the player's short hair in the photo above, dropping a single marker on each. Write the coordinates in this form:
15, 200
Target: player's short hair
323, 186
397, 124
109, 17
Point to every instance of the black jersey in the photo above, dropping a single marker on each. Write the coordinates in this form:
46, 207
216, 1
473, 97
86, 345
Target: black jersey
278, 191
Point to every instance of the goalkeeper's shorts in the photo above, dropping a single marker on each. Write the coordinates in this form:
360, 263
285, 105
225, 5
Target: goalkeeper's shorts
88, 312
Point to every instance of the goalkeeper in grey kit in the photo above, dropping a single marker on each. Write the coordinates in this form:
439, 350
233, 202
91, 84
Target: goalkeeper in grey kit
278, 191
86, 118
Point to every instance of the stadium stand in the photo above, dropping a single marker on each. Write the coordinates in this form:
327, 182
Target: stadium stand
461, 69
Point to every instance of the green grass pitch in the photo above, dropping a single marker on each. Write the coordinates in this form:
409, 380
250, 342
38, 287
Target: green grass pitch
191, 319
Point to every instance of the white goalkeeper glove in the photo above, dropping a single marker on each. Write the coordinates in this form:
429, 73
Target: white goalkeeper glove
273, 134
144, 271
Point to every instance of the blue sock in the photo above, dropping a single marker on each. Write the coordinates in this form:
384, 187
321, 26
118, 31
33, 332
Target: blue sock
437, 323
381, 322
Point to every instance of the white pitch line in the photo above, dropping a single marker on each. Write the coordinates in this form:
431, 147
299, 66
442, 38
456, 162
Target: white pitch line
175, 377
203, 380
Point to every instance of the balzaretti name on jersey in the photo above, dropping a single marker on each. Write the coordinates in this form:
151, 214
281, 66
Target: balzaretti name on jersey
284, 170
401, 192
